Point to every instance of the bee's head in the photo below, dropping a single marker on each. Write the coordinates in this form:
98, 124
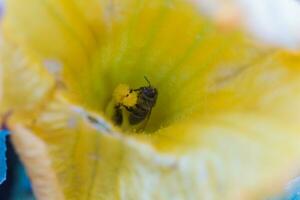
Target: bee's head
150, 92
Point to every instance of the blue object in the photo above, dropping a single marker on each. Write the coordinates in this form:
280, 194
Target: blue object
293, 190
3, 167
21, 188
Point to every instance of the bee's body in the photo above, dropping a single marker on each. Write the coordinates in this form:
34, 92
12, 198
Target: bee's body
139, 111
145, 102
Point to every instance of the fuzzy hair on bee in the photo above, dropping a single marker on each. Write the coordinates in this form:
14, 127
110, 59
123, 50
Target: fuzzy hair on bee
138, 102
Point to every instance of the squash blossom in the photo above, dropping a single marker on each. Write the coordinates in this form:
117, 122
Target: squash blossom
225, 124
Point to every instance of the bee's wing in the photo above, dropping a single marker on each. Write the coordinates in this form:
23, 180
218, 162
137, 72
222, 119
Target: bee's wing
143, 126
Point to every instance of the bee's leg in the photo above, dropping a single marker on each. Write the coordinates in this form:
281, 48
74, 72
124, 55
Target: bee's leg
118, 116
129, 109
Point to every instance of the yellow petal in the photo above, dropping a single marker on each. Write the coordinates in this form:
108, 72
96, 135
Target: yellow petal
55, 30
230, 156
34, 155
25, 83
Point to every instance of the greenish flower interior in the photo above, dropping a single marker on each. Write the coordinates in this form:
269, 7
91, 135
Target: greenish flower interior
175, 48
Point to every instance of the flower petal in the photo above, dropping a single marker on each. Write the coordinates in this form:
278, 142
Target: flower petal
242, 151
58, 31
34, 155
25, 83
228, 156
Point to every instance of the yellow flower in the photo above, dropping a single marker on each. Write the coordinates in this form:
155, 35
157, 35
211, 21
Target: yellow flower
225, 124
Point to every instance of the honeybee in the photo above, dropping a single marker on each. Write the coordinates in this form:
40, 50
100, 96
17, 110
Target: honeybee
138, 102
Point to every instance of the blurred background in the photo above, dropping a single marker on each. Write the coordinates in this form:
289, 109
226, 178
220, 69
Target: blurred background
17, 185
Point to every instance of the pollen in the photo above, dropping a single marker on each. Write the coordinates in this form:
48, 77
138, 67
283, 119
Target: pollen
130, 100
121, 91
124, 96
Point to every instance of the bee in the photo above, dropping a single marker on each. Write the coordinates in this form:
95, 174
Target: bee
138, 102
